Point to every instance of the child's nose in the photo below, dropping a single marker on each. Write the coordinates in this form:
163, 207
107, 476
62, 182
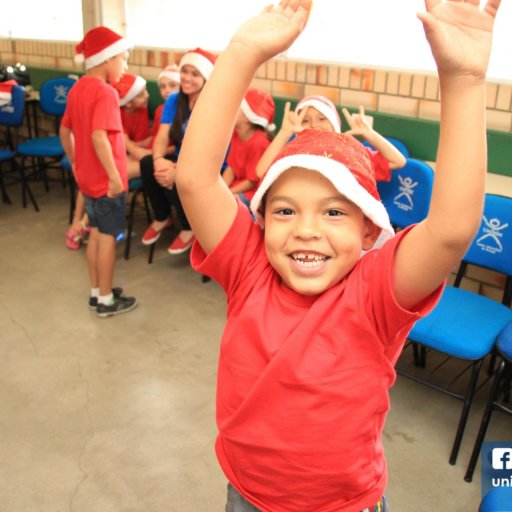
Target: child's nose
307, 227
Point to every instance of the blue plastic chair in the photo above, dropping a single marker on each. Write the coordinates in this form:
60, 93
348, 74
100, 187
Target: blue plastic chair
464, 324
498, 499
11, 116
500, 387
47, 151
406, 196
400, 145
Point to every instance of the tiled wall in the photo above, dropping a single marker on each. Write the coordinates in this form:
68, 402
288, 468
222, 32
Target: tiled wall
405, 94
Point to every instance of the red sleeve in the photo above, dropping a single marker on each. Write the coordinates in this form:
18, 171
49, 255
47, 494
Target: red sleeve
261, 143
106, 114
237, 254
380, 165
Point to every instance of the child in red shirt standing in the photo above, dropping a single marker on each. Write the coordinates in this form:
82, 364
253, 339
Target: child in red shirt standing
321, 300
92, 136
249, 142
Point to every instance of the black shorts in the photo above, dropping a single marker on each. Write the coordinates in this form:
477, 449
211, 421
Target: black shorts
107, 214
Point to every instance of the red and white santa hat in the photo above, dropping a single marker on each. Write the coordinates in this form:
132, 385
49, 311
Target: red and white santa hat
6, 91
100, 44
341, 159
202, 60
128, 86
171, 72
325, 106
258, 106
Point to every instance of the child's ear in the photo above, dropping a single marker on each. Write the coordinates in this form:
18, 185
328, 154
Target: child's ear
370, 235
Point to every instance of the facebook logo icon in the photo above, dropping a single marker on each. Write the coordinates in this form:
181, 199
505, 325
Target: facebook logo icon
502, 458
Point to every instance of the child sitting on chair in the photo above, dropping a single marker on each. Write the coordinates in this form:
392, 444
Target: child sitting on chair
133, 99
321, 295
320, 113
249, 142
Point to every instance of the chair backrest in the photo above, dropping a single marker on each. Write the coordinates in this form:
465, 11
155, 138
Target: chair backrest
400, 145
406, 196
53, 95
12, 113
492, 245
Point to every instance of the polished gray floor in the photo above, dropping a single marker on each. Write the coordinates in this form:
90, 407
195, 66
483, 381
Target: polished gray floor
117, 415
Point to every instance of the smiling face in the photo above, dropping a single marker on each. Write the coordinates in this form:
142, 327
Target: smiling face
313, 234
315, 120
167, 86
191, 80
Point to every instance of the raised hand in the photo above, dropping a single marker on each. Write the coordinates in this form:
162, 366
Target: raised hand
274, 30
292, 121
460, 35
358, 123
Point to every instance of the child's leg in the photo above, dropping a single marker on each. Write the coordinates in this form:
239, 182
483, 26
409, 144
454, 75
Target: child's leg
133, 168
105, 262
92, 258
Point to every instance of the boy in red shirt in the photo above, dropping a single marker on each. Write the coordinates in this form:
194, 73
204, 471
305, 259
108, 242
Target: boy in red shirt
133, 100
92, 136
320, 302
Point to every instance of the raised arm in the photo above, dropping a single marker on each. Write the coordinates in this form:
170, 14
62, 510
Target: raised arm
360, 126
208, 203
459, 34
291, 125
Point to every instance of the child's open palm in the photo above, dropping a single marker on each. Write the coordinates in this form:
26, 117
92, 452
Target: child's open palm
460, 35
274, 30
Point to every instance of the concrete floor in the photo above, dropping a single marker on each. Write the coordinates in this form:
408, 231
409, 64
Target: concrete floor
117, 415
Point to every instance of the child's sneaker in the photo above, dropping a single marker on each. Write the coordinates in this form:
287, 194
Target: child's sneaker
93, 301
120, 305
151, 235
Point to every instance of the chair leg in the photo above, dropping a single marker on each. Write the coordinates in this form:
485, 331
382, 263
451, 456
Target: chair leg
468, 399
72, 197
205, 279
130, 225
151, 253
486, 418
25, 188
5, 197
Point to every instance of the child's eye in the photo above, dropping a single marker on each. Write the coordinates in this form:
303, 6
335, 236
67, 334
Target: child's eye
284, 211
334, 213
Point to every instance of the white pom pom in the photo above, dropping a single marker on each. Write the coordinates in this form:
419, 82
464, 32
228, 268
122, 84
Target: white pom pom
271, 127
79, 58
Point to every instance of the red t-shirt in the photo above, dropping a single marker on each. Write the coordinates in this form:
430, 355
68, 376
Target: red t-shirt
136, 124
380, 165
243, 157
94, 105
303, 382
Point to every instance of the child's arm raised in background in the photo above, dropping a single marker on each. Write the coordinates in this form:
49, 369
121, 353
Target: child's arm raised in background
460, 35
209, 205
360, 126
291, 125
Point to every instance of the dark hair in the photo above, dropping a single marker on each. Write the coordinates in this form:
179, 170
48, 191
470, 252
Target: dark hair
182, 114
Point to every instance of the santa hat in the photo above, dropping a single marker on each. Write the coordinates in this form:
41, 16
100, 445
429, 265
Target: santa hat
341, 159
259, 108
203, 61
6, 91
128, 87
99, 45
171, 72
325, 106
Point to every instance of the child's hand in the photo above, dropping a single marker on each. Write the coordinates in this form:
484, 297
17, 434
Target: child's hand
358, 123
292, 122
115, 186
274, 30
460, 34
